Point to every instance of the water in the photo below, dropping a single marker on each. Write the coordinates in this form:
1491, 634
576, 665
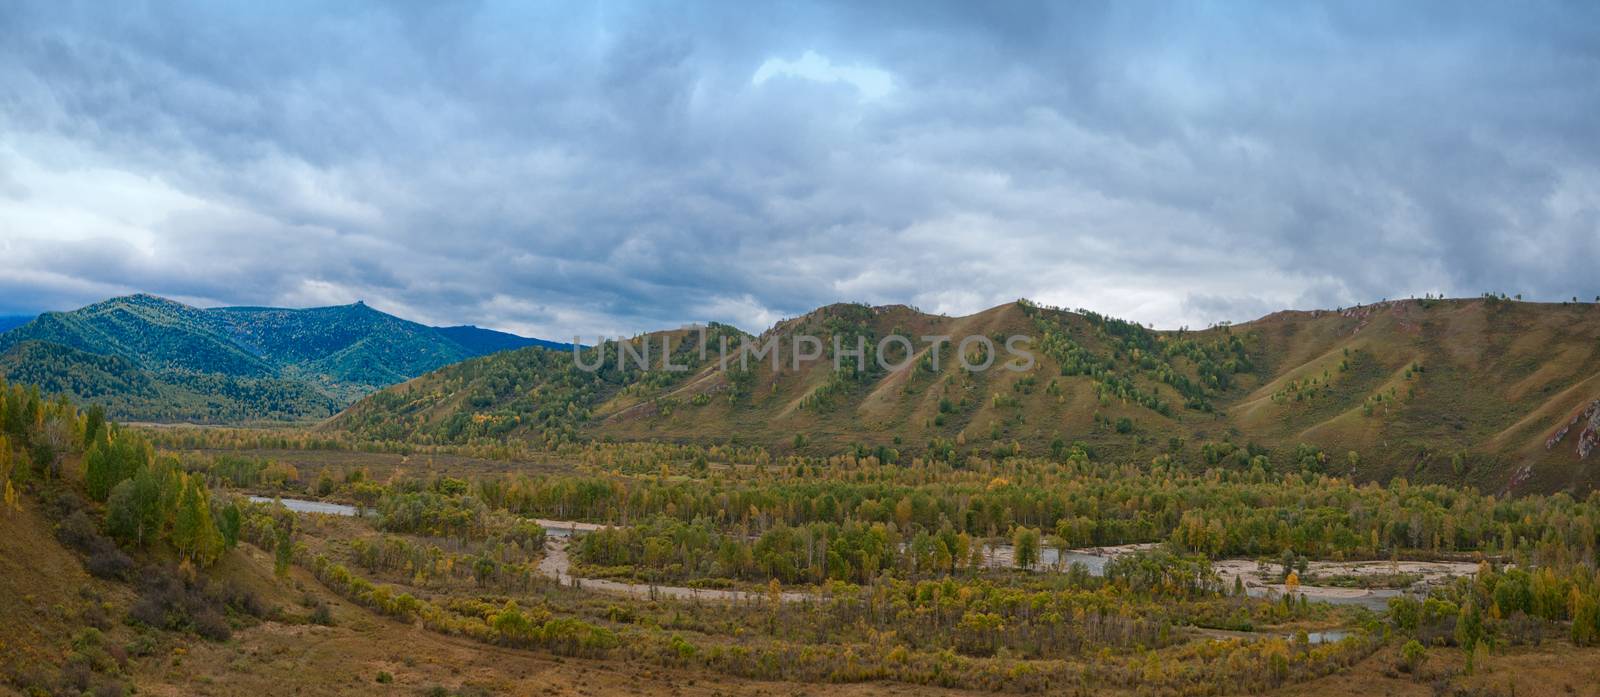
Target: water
1331, 636
306, 506
1326, 636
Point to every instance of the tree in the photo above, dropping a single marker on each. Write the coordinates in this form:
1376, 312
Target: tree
283, 552
194, 535
1025, 544
110, 461
136, 509
93, 423
1469, 626
1585, 618
229, 524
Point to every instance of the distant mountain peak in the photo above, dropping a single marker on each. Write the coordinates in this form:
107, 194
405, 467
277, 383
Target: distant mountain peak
286, 361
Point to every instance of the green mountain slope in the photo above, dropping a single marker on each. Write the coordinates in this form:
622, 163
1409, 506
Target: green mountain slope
149, 358
1466, 391
150, 332
129, 392
348, 350
482, 342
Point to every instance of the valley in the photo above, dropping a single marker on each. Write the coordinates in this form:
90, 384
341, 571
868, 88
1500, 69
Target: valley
1139, 513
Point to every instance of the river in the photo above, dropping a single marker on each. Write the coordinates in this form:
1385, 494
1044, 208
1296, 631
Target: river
306, 506
557, 565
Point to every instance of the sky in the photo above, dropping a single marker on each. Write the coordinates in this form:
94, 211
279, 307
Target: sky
601, 168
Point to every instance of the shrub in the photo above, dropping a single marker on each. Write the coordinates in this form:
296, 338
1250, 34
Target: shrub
168, 602
320, 614
211, 625
110, 564
78, 532
1412, 655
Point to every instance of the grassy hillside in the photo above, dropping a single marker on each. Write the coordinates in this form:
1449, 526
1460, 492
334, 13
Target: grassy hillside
148, 358
1466, 391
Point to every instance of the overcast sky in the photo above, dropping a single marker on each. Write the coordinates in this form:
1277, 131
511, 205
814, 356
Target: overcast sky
602, 168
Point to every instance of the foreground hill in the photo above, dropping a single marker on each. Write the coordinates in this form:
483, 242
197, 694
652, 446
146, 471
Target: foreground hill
1471, 391
149, 358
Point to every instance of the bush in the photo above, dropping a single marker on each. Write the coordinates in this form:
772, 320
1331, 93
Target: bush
78, 532
95, 615
110, 564
104, 560
168, 602
1412, 655
76, 674
211, 625
232, 596
322, 615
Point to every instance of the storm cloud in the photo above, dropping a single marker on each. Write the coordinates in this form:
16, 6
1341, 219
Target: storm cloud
602, 168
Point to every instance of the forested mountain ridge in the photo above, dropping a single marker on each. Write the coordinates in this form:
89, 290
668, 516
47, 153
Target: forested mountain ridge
149, 358
482, 341
1466, 391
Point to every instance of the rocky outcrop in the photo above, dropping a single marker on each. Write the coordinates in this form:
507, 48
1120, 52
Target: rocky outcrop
1588, 438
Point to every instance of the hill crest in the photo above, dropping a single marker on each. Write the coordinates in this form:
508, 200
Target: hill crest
1465, 390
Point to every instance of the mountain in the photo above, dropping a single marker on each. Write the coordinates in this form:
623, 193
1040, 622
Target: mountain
9, 322
482, 341
1471, 391
149, 358
161, 395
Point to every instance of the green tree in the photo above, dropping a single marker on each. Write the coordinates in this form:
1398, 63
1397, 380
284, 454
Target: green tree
283, 552
111, 460
1585, 618
1469, 626
137, 509
229, 523
1025, 543
93, 423
194, 535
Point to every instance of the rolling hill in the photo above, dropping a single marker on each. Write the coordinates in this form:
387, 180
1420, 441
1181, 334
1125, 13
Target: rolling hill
1470, 391
149, 358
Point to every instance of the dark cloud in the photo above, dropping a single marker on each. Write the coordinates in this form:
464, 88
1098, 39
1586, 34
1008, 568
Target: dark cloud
606, 168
